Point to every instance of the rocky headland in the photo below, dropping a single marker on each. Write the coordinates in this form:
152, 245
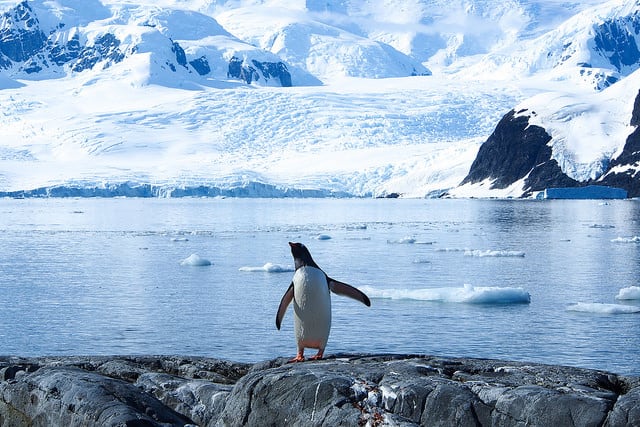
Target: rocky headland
349, 390
518, 150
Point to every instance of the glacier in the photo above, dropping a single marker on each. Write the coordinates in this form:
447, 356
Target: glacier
284, 98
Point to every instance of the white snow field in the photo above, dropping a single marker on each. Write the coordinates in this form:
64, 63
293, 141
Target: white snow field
387, 97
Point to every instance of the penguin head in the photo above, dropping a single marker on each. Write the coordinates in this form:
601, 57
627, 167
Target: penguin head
301, 255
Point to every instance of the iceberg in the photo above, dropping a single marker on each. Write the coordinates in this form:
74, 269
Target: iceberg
588, 192
601, 308
194, 260
634, 239
630, 293
268, 268
467, 294
403, 241
491, 253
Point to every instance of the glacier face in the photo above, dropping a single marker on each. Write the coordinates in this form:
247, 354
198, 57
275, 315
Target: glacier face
284, 97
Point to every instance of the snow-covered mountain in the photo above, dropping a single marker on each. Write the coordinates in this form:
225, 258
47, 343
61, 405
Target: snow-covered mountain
595, 47
42, 40
571, 137
304, 98
562, 140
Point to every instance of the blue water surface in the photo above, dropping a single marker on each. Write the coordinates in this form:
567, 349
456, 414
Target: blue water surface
104, 276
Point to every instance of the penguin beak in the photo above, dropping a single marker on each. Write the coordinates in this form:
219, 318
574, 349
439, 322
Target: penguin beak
291, 244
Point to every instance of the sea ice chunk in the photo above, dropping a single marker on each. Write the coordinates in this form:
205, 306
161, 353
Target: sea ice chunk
490, 253
467, 294
268, 268
195, 260
630, 293
600, 308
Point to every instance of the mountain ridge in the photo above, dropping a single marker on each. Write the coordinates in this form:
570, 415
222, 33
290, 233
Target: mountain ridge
402, 100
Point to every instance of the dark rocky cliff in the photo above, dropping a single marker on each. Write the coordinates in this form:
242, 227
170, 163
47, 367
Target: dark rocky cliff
517, 150
624, 170
615, 40
26, 48
268, 70
347, 390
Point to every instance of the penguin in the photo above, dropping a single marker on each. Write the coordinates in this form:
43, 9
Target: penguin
310, 292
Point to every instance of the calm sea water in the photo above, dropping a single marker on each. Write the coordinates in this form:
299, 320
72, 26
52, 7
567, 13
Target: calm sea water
103, 276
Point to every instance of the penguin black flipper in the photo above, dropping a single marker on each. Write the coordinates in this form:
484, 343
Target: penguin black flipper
348, 291
284, 303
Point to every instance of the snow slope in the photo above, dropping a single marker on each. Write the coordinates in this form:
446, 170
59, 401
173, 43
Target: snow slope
596, 47
355, 121
586, 129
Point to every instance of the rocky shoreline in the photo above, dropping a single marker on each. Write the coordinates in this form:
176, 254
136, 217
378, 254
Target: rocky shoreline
348, 390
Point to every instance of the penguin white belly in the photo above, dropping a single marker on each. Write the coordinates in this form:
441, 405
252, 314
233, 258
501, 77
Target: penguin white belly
311, 308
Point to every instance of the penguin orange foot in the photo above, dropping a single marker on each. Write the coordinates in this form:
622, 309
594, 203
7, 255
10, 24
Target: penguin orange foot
299, 357
317, 356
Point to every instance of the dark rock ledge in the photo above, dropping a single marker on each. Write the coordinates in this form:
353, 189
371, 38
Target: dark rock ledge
348, 390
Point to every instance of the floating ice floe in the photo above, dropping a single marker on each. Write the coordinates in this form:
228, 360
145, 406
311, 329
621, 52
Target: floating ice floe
179, 239
630, 293
409, 241
195, 260
404, 241
490, 253
634, 239
601, 308
323, 237
467, 294
268, 268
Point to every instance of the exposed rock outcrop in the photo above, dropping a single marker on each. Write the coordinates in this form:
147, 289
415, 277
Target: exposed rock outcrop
252, 71
516, 150
624, 170
140, 391
27, 48
398, 390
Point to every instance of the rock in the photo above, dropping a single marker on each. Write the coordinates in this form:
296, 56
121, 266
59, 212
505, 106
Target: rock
253, 70
26, 47
104, 48
201, 400
347, 390
517, 150
622, 171
20, 35
421, 390
626, 411
201, 65
72, 396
